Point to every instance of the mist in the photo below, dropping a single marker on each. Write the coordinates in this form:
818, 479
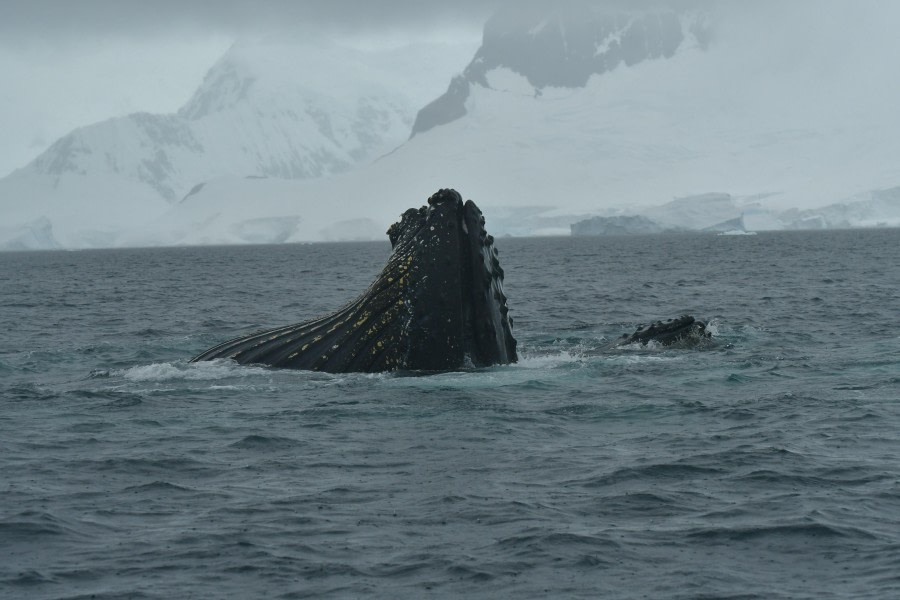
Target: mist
70, 64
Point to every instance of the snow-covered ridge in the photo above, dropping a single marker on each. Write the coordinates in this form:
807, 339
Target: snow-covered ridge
256, 113
265, 109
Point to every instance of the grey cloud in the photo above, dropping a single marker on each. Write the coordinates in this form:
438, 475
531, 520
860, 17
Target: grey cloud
63, 18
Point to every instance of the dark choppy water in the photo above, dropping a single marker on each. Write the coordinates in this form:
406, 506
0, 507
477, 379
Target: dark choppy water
767, 466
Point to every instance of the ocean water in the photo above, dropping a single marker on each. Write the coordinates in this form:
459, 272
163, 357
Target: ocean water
764, 465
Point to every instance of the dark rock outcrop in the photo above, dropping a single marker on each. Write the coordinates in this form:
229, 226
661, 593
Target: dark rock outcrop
564, 43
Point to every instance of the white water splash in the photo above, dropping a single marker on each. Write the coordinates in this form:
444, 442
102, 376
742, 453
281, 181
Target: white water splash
207, 370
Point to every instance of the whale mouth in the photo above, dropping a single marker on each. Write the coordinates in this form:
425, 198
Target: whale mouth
438, 305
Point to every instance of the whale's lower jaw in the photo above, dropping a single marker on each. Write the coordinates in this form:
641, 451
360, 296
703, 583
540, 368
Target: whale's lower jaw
438, 305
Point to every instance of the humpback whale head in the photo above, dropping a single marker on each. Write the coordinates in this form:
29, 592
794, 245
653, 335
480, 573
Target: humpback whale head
438, 305
453, 286
683, 330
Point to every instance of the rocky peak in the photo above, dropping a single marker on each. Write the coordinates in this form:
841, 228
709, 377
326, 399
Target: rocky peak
564, 44
224, 85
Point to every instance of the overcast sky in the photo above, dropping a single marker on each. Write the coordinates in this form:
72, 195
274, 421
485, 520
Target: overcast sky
54, 18
68, 63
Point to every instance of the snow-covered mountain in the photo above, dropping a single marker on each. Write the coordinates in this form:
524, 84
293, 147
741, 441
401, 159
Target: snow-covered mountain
267, 109
246, 118
563, 46
689, 114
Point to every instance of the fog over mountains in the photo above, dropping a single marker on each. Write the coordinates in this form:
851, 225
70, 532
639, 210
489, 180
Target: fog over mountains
265, 109
687, 114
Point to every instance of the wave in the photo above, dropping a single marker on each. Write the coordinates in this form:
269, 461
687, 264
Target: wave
158, 486
549, 360
181, 371
264, 442
821, 478
28, 529
785, 531
654, 472
28, 391
29, 578
143, 466
30, 524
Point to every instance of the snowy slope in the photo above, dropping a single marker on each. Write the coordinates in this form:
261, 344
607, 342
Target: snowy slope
265, 109
626, 144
